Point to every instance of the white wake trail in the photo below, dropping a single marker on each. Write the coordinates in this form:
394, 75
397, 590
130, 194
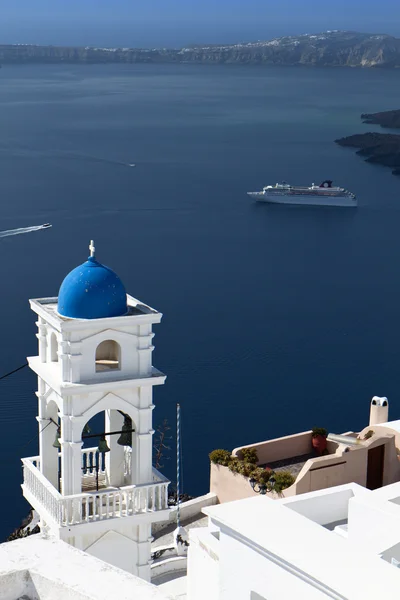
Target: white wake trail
20, 230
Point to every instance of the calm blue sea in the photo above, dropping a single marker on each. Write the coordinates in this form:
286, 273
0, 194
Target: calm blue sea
276, 319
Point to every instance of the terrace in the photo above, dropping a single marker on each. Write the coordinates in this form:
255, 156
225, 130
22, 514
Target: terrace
98, 500
370, 461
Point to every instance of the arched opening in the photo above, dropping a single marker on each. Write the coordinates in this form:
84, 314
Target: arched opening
108, 356
53, 348
107, 458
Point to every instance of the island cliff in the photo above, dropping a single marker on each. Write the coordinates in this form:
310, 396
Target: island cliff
329, 49
389, 119
378, 148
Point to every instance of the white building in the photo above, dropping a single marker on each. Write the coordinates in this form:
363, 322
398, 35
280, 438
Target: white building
40, 568
341, 543
95, 356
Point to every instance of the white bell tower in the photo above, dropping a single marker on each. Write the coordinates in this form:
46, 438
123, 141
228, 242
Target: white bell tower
95, 356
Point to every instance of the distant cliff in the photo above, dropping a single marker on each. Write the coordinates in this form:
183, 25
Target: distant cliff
389, 119
377, 148
330, 49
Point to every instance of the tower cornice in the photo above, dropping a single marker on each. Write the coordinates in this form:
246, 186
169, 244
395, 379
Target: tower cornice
47, 373
138, 314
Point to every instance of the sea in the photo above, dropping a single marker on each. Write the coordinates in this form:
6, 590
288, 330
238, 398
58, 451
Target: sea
275, 318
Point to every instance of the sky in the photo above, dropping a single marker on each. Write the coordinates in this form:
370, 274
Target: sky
175, 23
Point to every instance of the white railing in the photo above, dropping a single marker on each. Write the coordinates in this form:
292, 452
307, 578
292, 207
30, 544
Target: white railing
90, 460
124, 502
43, 491
96, 506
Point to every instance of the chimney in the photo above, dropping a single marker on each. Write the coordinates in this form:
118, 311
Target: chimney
379, 412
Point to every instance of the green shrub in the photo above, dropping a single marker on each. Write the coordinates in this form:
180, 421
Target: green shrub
261, 475
247, 469
220, 457
235, 465
249, 455
239, 466
319, 431
283, 480
256, 473
265, 475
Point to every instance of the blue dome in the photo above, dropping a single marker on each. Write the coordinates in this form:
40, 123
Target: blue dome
92, 291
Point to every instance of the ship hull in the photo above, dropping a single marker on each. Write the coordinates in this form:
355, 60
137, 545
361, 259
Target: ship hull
305, 200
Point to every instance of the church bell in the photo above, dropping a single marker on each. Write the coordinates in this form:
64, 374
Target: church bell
56, 443
103, 447
125, 439
86, 430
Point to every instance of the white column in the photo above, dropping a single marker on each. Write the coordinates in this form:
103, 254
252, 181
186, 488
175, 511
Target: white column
71, 456
47, 435
41, 336
115, 458
76, 456
63, 357
66, 468
75, 362
142, 443
143, 534
142, 455
145, 350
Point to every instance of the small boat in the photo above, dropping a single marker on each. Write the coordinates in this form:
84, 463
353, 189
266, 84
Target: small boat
46, 225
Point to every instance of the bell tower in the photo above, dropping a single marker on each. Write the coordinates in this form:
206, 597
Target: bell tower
95, 357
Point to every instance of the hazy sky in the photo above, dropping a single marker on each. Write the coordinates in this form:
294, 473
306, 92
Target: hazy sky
179, 22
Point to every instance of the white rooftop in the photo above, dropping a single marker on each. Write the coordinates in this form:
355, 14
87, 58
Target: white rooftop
342, 538
44, 569
395, 425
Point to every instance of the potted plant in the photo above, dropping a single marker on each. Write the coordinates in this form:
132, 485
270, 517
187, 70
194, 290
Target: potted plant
319, 435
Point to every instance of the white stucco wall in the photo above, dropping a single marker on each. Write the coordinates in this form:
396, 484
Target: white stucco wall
45, 569
280, 554
372, 524
116, 549
188, 510
248, 572
203, 565
325, 506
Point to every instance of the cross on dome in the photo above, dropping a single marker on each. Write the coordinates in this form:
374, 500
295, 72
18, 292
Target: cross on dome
92, 248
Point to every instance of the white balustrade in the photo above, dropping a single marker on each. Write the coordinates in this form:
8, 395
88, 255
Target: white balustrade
100, 505
91, 457
37, 485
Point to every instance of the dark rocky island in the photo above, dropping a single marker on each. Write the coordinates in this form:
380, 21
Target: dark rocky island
389, 119
329, 49
378, 148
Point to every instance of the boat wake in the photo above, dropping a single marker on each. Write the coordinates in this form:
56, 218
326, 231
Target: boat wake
20, 230
94, 159
63, 154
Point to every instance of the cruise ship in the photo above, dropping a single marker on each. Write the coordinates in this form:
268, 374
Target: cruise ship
324, 194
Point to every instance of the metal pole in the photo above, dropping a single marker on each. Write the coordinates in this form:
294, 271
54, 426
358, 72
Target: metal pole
97, 470
178, 454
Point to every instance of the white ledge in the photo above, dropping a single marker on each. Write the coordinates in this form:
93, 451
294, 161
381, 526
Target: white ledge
49, 374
